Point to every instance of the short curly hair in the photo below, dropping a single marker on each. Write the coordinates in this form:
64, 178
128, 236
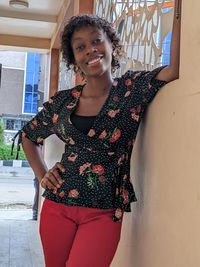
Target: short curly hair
77, 22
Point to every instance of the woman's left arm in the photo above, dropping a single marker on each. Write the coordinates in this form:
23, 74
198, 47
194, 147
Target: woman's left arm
171, 72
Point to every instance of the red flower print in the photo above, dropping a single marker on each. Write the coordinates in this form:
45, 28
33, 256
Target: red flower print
133, 110
98, 169
23, 134
135, 117
116, 98
34, 122
84, 167
55, 118
73, 193
72, 157
121, 159
113, 113
125, 196
117, 191
139, 108
115, 136
61, 194
55, 191
111, 153
39, 140
91, 132
76, 93
125, 177
128, 82
118, 213
115, 83
103, 134
134, 114
71, 105
102, 179
71, 141
127, 93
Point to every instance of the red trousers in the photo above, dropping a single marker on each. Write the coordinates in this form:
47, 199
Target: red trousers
78, 236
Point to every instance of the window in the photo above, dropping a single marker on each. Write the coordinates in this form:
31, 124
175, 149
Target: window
10, 124
31, 85
166, 44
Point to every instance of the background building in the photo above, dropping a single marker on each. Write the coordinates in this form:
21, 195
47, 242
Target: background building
22, 88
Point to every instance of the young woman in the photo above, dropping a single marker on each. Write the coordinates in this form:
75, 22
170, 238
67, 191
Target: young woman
88, 191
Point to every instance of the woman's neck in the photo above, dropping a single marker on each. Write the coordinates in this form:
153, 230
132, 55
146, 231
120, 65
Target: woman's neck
97, 86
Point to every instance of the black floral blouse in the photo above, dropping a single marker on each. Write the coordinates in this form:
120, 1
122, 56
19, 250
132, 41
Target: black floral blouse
97, 165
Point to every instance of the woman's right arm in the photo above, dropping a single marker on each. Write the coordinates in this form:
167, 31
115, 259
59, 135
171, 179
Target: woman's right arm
34, 156
47, 178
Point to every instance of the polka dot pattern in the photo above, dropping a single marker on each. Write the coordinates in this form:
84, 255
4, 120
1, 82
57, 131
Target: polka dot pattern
97, 164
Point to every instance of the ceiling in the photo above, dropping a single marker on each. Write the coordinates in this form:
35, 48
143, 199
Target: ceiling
35, 26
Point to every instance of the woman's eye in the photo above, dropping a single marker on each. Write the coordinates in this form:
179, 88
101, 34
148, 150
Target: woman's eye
97, 41
80, 47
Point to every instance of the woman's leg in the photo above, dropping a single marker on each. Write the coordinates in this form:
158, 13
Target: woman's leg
57, 231
96, 239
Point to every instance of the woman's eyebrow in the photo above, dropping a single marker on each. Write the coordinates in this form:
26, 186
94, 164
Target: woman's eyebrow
82, 38
77, 39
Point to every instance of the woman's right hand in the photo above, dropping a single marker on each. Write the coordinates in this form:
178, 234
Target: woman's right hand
52, 179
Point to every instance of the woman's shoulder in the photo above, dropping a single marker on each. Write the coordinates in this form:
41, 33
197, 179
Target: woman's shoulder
65, 94
132, 74
61, 98
142, 75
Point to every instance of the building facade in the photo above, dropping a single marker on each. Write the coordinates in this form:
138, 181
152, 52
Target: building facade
22, 89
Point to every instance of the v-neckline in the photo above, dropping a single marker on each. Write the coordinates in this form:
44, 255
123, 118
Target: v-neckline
101, 112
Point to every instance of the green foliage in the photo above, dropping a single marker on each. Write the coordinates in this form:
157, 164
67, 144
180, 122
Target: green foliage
5, 153
1, 132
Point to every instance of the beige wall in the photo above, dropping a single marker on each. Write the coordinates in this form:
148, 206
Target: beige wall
164, 227
11, 91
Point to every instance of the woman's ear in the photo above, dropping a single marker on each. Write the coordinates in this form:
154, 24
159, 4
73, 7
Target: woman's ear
78, 71
76, 68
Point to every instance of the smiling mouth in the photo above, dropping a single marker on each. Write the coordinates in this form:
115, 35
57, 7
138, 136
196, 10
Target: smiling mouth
95, 61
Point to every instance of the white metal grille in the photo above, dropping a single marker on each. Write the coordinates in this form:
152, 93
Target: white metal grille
142, 26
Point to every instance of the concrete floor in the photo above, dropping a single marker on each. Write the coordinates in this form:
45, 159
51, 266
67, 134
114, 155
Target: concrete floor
20, 244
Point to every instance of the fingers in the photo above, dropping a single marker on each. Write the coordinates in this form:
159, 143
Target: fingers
59, 166
52, 178
56, 168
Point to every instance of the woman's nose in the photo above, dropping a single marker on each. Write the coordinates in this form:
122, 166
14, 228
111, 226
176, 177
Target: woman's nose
91, 49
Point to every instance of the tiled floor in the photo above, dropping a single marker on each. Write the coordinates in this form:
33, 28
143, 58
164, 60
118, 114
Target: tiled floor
20, 244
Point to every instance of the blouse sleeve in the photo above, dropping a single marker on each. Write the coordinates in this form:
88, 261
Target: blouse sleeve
42, 125
148, 85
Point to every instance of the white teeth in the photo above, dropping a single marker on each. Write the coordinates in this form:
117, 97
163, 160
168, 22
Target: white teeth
94, 61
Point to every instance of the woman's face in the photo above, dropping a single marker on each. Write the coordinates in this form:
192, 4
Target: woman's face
92, 51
